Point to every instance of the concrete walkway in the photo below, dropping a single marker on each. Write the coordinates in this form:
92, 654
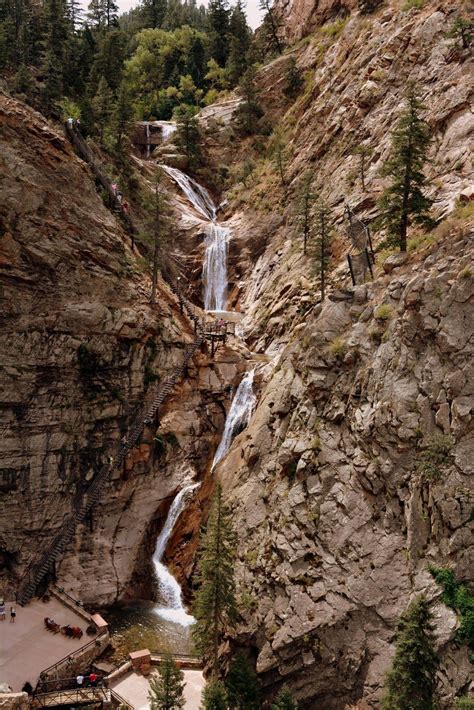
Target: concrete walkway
134, 689
27, 648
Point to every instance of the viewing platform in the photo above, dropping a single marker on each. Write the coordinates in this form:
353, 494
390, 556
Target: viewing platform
27, 647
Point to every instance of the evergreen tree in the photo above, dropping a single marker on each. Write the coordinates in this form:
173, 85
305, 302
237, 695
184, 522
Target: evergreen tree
284, 701
74, 14
218, 23
279, 155
154, 12
363, 153
404, 201
462, 29
293, 80
304, 206
411, 681
102, 107
23, 81
240, 40
214, 604
271, 29
122, 117
188, 134
158, 227
323, 244
249, 111
214, 696
103, 14
242, 685
166, 688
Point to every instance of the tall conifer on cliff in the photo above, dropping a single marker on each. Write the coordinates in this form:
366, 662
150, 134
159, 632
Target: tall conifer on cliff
214, 604
404, 201
411, 681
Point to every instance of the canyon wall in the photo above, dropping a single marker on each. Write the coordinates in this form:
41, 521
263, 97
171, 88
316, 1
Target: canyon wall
337, 518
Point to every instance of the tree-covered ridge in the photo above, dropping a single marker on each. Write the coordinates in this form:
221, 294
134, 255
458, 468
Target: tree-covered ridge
162, 54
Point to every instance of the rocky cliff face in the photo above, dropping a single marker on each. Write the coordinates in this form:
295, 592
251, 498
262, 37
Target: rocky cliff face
338, 517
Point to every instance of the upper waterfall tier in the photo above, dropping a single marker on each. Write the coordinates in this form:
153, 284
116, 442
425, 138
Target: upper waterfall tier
215, 279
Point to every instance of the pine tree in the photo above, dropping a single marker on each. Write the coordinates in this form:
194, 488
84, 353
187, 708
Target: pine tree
249, 111
214, 696
323, 243
158, 230
166, 688
102, 107
240, 39
23, 81
242, 685
122, 117
304, 207
57, 30
74, 13
214, 604
188, 134
284, 701
103, 14
293, 80
404, 201
279, 155
218, 23
271, 26
412, 679
363, 153
154, 12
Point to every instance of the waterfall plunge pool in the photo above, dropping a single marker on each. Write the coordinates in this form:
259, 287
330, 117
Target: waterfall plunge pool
164, 625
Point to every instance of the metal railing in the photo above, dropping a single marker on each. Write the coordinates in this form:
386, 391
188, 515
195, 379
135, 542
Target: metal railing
69, 659
120, 700
72, 696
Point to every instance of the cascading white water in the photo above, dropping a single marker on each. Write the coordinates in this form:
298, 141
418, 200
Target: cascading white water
214, 270
239, 415
195, 193
147, 134
171, 607
167, 130
216, 244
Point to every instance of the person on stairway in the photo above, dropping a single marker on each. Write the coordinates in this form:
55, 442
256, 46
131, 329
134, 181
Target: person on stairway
12, 614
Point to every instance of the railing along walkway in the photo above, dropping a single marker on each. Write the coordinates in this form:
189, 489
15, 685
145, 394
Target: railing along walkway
71, 696
147, 417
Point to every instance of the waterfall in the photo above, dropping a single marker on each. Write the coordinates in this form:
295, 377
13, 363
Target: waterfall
216, 243
147, 133
170, 591
214, 270
167, 130
196, 193
239, 415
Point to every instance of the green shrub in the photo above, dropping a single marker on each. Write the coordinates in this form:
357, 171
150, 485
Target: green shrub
410, 4
338, 348
464, 703
435, 457
383, 312
457, 596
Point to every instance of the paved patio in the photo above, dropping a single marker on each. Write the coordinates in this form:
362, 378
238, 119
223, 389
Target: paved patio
134, 689
27, 648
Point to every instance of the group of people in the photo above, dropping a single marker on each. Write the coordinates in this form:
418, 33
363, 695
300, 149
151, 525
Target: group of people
118, 194
87, 680
3, 612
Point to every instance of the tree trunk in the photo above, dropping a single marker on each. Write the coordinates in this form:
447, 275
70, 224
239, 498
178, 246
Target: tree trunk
155, 272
